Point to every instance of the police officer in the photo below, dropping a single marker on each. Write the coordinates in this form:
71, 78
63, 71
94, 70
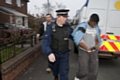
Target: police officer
55, 45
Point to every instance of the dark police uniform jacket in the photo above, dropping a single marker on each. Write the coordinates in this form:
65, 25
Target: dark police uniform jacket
56, 38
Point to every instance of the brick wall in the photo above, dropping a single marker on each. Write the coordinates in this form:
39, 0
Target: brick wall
14, 67
4, 18
22, 9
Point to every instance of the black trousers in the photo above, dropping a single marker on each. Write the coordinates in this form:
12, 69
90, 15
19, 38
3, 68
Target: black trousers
75, 49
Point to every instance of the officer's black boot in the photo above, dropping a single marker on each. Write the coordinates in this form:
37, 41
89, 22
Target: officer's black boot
56, 78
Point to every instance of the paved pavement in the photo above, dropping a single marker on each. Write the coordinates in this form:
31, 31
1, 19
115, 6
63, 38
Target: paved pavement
108, 69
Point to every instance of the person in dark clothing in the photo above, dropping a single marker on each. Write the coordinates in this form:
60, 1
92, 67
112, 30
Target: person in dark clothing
41, 30
44, 25
55, 45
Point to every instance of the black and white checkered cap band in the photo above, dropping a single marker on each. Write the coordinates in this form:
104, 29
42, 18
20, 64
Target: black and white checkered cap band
61, 12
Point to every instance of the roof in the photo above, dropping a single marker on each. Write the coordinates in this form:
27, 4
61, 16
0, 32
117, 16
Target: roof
12, 11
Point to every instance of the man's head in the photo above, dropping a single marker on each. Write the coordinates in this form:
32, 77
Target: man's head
48, 17
94, 19
62, 15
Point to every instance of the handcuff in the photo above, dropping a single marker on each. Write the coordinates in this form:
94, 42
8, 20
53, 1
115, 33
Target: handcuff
92, 49
89, 51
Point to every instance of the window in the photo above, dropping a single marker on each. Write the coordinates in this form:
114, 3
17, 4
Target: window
18, 2
9, 1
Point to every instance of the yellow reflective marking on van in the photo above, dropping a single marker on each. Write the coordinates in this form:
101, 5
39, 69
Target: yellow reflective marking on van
117, 5
112, 37
117, 45
108, 46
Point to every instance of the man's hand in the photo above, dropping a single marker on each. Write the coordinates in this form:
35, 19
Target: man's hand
37, 36
51, 57
85, 47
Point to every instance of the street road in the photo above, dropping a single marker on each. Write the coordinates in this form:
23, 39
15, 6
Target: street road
109, 69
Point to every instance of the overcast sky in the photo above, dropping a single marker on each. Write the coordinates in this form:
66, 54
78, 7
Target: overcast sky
73, 5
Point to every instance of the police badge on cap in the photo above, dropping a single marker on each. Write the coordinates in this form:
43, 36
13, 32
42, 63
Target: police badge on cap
62, 12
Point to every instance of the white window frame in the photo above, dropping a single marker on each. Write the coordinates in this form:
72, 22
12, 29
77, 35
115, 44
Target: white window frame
19, 3
8, 1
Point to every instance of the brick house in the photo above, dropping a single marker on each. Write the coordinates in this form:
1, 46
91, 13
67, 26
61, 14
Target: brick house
14, 11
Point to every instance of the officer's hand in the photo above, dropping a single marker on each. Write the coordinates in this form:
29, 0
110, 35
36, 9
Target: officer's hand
37, 36
51, 57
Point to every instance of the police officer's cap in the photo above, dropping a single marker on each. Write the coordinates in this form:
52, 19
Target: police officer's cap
62, 12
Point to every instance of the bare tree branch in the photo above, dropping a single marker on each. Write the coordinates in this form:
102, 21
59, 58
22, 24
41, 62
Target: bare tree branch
60, 6
47, 8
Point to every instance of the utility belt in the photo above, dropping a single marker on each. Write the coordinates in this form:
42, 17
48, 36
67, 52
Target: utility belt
60, 52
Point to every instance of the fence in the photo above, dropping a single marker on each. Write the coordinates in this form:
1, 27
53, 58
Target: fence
15, 45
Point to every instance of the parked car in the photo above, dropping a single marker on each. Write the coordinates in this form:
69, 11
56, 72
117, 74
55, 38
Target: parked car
23, 30
4, 25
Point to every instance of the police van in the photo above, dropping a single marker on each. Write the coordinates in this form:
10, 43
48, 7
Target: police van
109, 13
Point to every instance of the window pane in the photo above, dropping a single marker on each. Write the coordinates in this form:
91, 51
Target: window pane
9, 1
18, 3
